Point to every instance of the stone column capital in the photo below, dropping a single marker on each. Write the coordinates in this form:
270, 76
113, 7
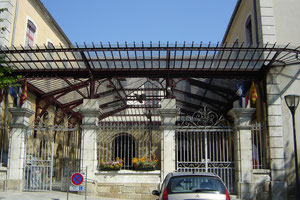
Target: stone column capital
90, 111
168, 112
16, 111
242, 116
20, 116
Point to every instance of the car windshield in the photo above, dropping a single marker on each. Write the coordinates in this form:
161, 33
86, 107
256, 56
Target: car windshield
195, 184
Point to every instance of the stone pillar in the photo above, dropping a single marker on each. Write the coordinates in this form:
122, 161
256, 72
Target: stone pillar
277, 161
168, 113
90, 111
19, 127
243, 151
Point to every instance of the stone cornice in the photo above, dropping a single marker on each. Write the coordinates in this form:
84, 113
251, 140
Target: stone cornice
173, 112
90, 112
22, 112
242, 117
89, 127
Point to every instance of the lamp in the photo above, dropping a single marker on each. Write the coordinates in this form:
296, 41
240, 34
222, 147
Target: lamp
292, 102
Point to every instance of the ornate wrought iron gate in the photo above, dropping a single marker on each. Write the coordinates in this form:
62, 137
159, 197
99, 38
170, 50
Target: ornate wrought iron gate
48, 151
204, 143
38, 164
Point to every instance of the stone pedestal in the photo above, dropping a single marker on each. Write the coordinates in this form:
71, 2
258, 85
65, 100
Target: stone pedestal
90, 111
168, 113
19, 127
243, 151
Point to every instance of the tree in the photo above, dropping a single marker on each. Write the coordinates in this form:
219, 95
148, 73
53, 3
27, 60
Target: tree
6, 71
6, 76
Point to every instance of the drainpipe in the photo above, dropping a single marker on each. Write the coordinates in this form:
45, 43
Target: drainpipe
15, 22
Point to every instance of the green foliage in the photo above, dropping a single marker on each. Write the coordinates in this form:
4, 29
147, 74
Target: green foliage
1, 20
3, 9
6, 76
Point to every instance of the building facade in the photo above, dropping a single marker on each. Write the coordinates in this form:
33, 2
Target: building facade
115, 119
28, 24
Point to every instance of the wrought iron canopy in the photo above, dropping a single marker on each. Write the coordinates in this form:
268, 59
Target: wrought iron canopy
118, 74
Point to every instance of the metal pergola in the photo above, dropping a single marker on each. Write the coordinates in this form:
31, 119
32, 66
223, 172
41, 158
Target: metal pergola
131, 79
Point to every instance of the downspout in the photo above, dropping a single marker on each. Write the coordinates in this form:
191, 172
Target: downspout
15, 23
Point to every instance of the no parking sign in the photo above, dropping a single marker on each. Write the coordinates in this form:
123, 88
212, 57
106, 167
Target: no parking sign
77, 179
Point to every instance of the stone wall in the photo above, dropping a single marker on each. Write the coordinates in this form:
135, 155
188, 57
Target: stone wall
262, 179
3, 171
127, 184
127, 190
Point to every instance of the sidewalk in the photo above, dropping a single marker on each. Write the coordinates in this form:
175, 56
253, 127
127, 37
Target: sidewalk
49, 195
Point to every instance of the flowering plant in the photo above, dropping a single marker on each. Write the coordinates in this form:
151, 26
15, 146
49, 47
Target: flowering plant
145, 164
114, 165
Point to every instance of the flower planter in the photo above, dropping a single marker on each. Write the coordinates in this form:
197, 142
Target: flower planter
144, 166
111, 166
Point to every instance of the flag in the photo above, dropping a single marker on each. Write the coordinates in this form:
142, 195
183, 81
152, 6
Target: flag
240, 89
24, 95
16, 95
253, 93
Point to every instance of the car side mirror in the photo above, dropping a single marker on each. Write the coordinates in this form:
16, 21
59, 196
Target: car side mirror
155, 192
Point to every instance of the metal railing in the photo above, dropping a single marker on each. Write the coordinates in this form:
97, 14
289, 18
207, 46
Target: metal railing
4, 143
117, 140
46, 152
207, 150
260, 146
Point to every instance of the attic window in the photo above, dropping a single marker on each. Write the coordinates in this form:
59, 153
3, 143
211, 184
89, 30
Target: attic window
248, 30
31, 29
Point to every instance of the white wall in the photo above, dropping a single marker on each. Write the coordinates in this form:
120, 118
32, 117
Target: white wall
287, 16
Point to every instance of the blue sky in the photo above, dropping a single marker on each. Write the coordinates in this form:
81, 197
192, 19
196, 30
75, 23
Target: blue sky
141, 20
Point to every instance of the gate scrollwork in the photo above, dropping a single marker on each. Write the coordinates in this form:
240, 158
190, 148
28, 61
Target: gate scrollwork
205, 117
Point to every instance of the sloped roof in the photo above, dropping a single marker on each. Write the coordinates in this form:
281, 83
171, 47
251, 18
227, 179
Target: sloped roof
131, 79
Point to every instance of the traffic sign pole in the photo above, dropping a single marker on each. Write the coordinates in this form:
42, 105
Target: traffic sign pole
68, 181
85, 181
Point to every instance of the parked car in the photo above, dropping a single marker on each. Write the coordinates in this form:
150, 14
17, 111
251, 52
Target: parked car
192, 185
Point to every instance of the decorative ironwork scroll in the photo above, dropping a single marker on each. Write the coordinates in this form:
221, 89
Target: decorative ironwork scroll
205, 117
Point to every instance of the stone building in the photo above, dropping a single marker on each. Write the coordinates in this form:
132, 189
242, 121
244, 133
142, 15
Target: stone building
27, 24
175, 106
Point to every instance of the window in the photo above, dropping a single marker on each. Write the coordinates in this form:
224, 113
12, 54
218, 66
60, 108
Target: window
248, 29
30, 32
195, 184
124, 148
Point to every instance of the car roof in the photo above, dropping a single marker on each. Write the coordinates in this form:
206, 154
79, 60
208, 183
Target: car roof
193, 173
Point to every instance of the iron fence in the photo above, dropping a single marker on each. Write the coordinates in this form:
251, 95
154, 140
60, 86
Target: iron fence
260, 146
48, 151
4, 142
125, 141
207, 150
